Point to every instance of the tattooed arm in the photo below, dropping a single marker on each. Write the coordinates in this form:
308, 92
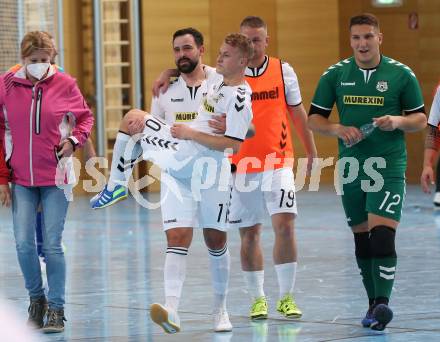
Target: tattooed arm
432, 143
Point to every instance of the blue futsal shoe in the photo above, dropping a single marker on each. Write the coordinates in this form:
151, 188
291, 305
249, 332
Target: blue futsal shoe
107, 197
382, 316
368, 319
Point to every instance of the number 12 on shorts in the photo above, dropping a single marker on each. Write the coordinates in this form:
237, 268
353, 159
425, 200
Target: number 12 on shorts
388, 203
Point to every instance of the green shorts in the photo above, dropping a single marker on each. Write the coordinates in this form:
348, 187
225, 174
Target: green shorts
386, 201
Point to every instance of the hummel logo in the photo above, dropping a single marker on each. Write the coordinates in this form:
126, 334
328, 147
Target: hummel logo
176, 100
239, 108
346, 84
125, 164
161, 142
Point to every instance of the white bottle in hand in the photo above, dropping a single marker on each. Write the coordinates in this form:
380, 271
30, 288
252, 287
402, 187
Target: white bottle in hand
366, 130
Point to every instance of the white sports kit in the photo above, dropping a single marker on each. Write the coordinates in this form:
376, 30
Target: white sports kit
434, 114
193, 188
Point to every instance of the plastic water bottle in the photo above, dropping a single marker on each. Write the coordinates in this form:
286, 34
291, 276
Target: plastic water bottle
366, 130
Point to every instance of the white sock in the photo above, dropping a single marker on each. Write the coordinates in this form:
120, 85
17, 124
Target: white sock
286, 274
121, 164
174, 275
220, 260
172, 303
255, 283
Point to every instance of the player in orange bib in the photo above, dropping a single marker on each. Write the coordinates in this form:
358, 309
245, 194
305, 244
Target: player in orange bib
264, 181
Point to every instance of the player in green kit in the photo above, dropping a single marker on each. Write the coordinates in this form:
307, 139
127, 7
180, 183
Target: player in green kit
369, 88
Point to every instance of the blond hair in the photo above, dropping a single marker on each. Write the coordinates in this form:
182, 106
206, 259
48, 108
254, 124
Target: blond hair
37, 40
243, 43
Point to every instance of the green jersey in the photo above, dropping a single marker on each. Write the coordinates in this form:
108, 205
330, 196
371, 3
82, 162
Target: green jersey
363, 94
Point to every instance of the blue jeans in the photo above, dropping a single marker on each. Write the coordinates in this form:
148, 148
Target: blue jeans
25, 201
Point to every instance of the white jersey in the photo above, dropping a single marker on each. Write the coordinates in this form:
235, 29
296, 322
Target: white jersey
234, 101
434, 114
291, 85
196, 105
180, 102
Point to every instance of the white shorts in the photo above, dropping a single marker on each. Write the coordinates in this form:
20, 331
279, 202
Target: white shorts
256, 194
182, 207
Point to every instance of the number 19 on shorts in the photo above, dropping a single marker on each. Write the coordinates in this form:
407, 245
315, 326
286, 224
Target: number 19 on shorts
287, 198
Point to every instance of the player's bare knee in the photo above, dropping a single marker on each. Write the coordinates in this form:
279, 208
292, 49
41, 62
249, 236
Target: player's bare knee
123, 125
134, 113
129, 116
179, 237
214, 239
284, 231
250, 238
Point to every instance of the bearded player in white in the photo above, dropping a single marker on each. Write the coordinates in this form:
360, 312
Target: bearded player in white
185, 143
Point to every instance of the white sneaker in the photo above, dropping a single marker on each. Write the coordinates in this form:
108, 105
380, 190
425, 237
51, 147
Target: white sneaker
167, 319
222, 322
436, 199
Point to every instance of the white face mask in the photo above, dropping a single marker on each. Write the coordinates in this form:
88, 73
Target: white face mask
37, 70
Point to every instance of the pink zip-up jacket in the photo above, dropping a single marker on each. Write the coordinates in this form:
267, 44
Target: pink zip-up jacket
4, 172
34, 119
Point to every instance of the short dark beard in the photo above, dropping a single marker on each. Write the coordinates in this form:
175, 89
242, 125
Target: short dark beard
188, 68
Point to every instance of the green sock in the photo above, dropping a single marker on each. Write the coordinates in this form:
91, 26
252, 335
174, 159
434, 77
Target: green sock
383, 275
365, 265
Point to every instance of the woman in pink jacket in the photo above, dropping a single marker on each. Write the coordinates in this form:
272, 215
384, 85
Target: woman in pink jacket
44, 119
5, 194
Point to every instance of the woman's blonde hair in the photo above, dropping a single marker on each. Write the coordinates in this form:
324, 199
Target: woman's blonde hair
37, 40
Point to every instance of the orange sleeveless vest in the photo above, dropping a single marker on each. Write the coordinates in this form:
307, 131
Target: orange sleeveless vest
272, 130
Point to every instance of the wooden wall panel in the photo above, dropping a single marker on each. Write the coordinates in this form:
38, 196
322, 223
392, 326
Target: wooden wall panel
310, 50
159, 21
347, 9
74, 61
429, 47
226, 16
72, 40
